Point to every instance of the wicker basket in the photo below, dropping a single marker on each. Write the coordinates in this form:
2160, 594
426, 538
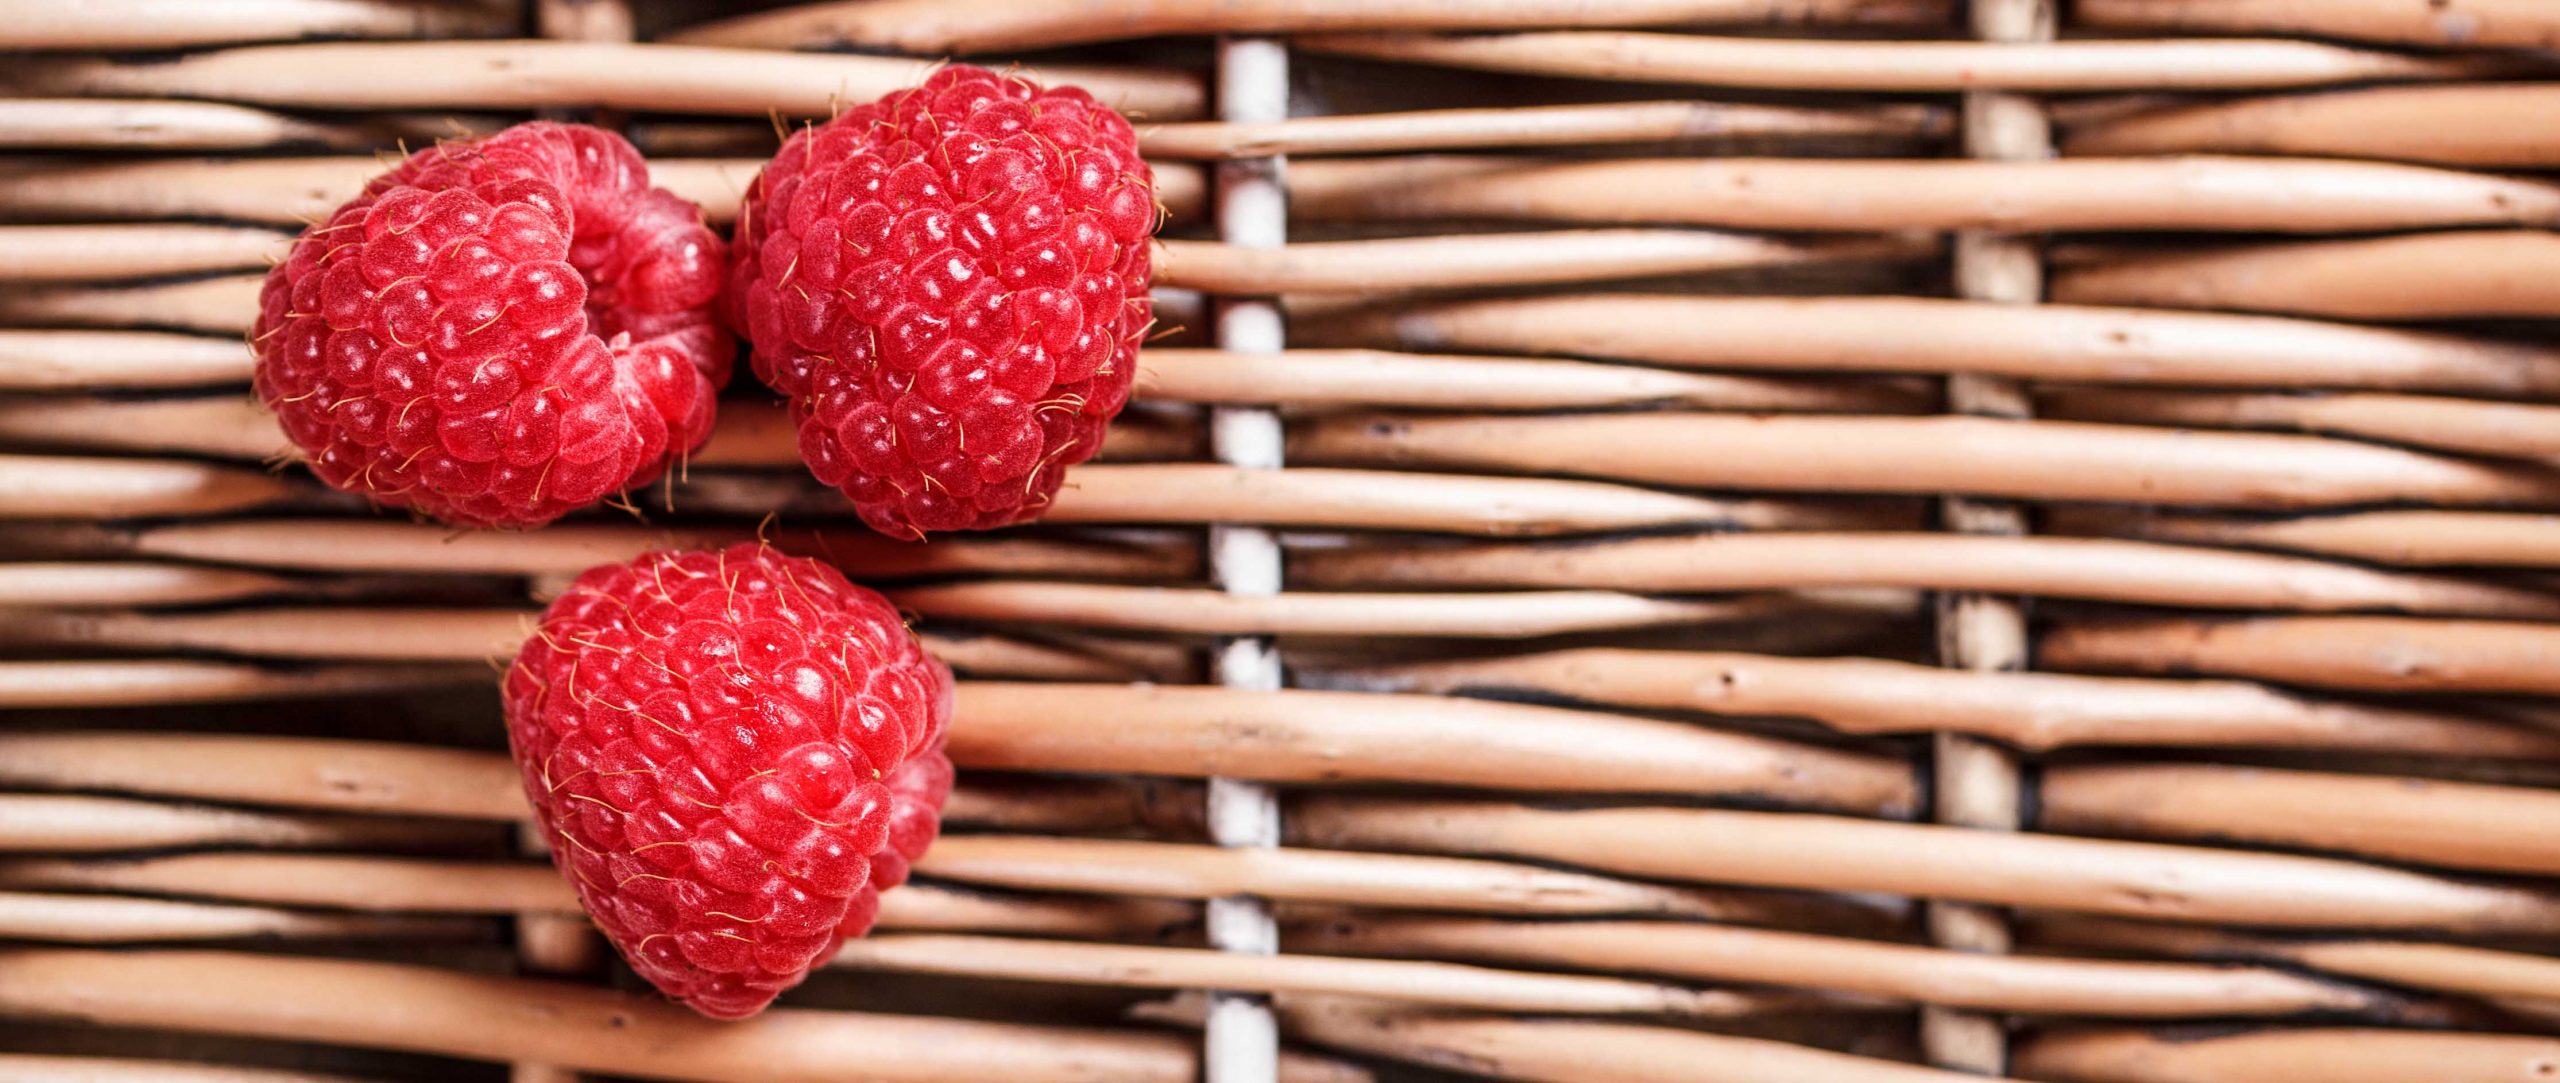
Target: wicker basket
1843, 540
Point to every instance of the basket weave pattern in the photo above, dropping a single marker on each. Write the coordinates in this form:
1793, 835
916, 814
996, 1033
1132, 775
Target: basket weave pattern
1883, 541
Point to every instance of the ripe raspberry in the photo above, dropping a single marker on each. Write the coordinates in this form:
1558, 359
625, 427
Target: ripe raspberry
950, 284
733, 753
498, 332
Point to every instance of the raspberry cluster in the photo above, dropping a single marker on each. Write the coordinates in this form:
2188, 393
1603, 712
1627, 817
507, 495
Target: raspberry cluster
498, 332
733, 753
950, 285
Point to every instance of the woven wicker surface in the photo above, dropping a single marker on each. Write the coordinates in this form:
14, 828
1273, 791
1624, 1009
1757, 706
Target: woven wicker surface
1876, 541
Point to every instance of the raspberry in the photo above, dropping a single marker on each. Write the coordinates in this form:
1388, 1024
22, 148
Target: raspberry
950, 285
733, 753
499, 332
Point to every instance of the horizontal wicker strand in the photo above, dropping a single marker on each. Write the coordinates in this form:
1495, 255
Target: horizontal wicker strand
2054, 567
936, 27
1538, 126
2383, 654
94, 919
386, 1006
1152, 967
2255, 195
2036, 711
1486, 614
1571, 1051
2448, 967
1922, 66
64, 360
73, 253
2293, 1055
1460, 261
36, 1068
175, 681
164, 24
2515, 430
2445, 824
1808, 852
1403, 881
2448, 24
2028, 460
177, 125
2424, 276
2028, 710
1717, 953
544, 74
2496, 125
1312, 736
1936, 336
64, 823
2415, 537
133, 583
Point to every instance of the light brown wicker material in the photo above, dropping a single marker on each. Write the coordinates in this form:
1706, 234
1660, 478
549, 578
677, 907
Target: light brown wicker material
1751, 541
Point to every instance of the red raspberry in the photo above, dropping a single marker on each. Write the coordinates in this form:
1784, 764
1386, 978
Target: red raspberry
498, 332
950, 284
733, 753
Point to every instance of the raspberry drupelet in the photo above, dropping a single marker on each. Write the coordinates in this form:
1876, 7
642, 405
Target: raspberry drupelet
732, 753
950, 286
498, 332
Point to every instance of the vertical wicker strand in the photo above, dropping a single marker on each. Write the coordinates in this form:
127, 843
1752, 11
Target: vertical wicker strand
548, 943
1253, 86
1977, 782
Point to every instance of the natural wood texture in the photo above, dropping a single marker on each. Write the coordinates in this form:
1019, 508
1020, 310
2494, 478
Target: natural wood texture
165, 24
1695, 951
537, 74
47, 823
67, 360
176, 125
2366, 653
2424, 276
2027, 460
1682, 122
2034, 711
1144, 966
2255, 195
2447, 967
2452, 24
2293, 1055
71, 253
386, 1006
1460, 261
91, 919
934, 27
1921, 66
2491, 125
43, 486
1306, 736
1489, 614
1559, 1051
149, 681
2416, 538
75, 1069
1825, 853
2470, 426
2446, 824
2058, 567
67, 584
1936, 336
